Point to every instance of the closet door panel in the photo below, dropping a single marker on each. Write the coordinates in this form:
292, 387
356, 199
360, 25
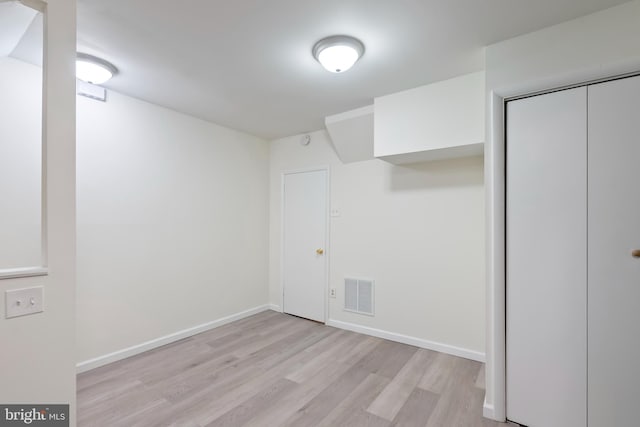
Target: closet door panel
614, 274
546, 259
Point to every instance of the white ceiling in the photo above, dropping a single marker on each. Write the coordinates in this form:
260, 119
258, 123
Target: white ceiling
247, 64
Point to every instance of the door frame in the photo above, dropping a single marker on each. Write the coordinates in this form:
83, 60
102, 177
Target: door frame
495, 219
327, 251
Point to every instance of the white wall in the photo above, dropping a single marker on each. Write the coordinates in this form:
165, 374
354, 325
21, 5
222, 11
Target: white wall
417, 230
20, 162
591, 47
38, 350
172, 223
596, 46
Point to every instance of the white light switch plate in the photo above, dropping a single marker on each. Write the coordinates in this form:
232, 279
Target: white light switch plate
19, 302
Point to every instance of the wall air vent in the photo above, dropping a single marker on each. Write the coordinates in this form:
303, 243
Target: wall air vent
358, 295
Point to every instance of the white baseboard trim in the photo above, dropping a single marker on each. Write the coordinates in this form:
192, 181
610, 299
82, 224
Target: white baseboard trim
90, 364
405, 339
488, 411
275, 307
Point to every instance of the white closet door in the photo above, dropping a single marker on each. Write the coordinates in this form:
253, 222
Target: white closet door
546, 259
305, 236
614, 232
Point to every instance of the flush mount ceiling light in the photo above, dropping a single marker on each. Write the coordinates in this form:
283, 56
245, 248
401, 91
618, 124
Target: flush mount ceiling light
93, 70
338, 53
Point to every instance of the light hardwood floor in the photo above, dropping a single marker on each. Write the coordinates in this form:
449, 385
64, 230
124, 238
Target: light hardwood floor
274, 370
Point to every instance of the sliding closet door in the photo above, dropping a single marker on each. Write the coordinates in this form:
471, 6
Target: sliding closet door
546, 259
614, 273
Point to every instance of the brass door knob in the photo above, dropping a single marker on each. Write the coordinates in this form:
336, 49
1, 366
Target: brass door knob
320, 251
635, 253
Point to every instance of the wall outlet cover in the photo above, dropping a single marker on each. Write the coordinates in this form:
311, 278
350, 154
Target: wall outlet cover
20, 302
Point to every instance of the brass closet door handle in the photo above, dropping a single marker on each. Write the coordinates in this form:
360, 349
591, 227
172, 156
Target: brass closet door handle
635, 253
320, 251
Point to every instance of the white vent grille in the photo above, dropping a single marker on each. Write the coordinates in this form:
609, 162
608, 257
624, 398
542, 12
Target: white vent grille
358, 295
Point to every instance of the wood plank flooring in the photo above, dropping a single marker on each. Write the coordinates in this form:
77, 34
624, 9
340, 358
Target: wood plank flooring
274, 370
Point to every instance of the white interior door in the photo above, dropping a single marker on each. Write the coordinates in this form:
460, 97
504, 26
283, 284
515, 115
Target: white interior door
546, 259
614, 274
304, 240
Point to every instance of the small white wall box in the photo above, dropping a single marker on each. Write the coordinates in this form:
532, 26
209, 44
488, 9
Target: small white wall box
91, 91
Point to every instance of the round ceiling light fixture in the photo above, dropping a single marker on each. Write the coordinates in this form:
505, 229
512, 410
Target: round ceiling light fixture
338, 53
94, 70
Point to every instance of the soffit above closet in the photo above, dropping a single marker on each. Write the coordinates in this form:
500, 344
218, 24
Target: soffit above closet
247, 64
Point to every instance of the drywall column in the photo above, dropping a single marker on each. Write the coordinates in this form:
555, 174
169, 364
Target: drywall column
38, 351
